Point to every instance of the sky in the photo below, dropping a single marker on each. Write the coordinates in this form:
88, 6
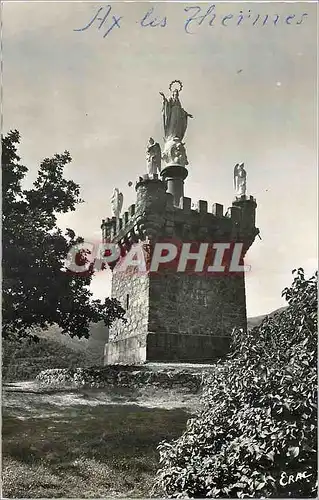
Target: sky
251, 88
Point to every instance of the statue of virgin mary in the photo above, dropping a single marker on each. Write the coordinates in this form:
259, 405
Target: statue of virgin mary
174, 116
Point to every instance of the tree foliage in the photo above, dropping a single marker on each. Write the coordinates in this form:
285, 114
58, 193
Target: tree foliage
256, 435
37, 289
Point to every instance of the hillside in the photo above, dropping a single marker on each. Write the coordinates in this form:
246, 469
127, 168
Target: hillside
255, 321
98, 337
24, 360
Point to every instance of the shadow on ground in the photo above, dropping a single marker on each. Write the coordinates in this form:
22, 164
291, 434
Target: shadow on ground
88, 450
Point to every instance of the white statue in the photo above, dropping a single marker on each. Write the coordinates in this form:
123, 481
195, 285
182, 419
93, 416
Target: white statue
240, 180
174, 152
116, 202
175, 120
153, 157
174, 116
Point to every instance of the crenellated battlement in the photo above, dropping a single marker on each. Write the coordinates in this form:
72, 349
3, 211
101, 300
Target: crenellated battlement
154, 217
112, 226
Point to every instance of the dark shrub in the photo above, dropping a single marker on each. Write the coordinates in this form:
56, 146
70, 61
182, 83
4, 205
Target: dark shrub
257, 432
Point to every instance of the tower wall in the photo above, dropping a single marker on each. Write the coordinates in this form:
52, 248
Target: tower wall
191, 317
175, 316
130, 339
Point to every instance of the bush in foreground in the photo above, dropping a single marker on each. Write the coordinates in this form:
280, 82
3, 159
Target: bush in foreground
256, 434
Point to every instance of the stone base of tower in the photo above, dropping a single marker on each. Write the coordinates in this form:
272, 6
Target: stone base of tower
186, 348
128, 351
166, 347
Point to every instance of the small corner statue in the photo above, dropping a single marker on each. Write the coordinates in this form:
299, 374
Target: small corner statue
240, 176
175, 120
153, 157
116, 202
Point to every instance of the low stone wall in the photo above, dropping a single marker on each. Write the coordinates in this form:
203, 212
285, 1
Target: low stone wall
123, 376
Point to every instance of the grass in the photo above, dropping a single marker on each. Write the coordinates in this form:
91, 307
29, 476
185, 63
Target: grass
84, 451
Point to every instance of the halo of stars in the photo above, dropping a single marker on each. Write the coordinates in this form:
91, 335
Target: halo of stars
176, 81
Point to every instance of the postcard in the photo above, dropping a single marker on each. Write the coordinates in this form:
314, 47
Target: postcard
159, 249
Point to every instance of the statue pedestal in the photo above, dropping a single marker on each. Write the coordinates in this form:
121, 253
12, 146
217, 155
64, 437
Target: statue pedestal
248, 205
244, 198
174, 176
241, 197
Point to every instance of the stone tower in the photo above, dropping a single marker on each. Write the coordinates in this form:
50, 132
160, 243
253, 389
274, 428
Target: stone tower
176, 316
